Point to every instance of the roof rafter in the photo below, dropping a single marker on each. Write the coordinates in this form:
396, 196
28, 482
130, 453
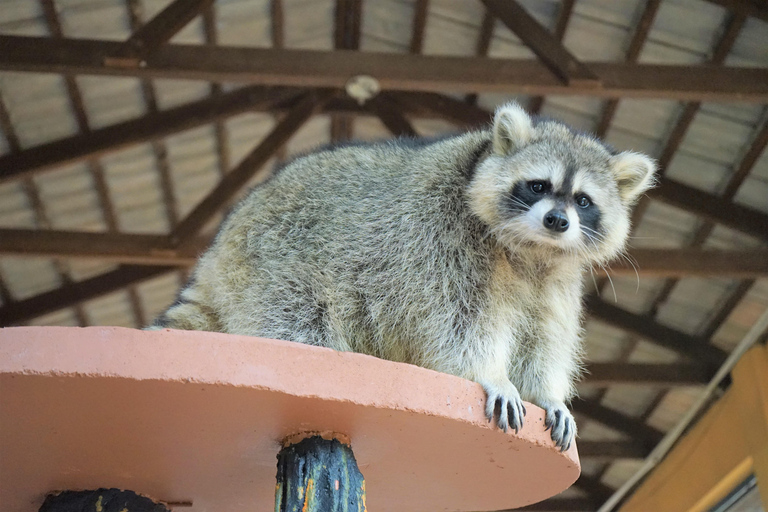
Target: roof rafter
75, 293
160, 29
149, 127
546, 46
305, 68
390, 114
675, 374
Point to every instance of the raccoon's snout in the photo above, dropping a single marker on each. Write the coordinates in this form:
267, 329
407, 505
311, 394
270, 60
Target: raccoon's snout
556, 220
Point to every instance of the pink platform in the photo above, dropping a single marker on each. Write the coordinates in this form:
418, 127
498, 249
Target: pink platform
198, 417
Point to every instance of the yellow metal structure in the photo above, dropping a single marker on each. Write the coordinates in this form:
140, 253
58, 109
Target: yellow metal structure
727, 445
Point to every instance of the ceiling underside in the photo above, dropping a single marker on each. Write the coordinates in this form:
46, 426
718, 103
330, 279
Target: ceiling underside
127, 128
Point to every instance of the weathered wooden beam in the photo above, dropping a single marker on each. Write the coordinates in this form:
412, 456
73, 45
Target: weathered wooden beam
75, 293
756, 8
637, 430
277, 18
646, 327
391, 116
547, 47
610, 450
155, 32
443, 107
664, 375
117, 247
249, 167
596, 490
150, 127
304, 68
693, 262
560, 505
713, 208
420, 9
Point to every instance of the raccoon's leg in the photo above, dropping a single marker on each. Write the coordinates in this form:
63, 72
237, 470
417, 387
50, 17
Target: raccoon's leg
189, 312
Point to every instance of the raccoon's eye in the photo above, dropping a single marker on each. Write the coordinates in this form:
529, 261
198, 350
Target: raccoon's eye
583, 201
538, 187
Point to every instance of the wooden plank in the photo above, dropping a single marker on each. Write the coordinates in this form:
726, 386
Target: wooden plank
420, 9
443, 107
675, 374
483, 44
756, 8
551, 51
155, 32
713, 208
305, 68
693, 262
136, 131
117, 247
347, 26
75, 293
391, 116
560, 505
638, 431
646, 327
249, 167
612, 450
278, 23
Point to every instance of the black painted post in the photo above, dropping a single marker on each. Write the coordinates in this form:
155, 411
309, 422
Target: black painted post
318, 475
100, 500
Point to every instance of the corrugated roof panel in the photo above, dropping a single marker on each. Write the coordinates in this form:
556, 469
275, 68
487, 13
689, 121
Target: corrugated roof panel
244, 132
308, 24
726, 238
684, 32
709, 175
64, 317
112, 309
590, 38
453, 27
630, 292
674, 406
172, 93
632, 400
743, 317
665, 226
22, 18
70, 199
26, 277
38, 107
81, 269
650, 353
754, 191
620, 471
579, 113
192, 33
194, 166
244, 23
371, 128
15, 210
749, 48
642, 125
387, 26
314, 133
619, 13
689, 306
94, 19
110, 100
603, 343
593, 431
159, 293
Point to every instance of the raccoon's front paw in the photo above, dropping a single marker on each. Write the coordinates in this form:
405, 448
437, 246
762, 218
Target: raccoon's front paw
561, 421
504, 398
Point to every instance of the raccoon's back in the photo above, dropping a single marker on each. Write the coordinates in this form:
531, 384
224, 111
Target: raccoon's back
333, 229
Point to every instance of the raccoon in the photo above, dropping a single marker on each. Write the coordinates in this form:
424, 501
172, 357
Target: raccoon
464, 255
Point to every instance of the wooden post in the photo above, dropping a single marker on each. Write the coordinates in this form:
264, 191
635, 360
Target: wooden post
101, 500
318, 474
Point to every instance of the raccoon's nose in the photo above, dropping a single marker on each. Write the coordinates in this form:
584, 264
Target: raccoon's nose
556, 220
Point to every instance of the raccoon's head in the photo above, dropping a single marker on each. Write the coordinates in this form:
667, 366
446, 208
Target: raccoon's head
548, 189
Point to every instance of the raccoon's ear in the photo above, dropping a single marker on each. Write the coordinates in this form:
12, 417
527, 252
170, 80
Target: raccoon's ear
635, 173
512, 129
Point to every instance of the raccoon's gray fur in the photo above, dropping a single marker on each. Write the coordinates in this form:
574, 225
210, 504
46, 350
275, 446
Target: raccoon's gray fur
464, 255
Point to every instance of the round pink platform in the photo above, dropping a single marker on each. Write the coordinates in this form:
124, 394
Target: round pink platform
198, 417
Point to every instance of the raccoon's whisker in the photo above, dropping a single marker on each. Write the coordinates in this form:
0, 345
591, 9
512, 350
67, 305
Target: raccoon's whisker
608, 275
594, 281
522, 204
623, 255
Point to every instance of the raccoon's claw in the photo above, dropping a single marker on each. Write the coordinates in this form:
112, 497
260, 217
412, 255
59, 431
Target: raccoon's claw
563, 426
505, 403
